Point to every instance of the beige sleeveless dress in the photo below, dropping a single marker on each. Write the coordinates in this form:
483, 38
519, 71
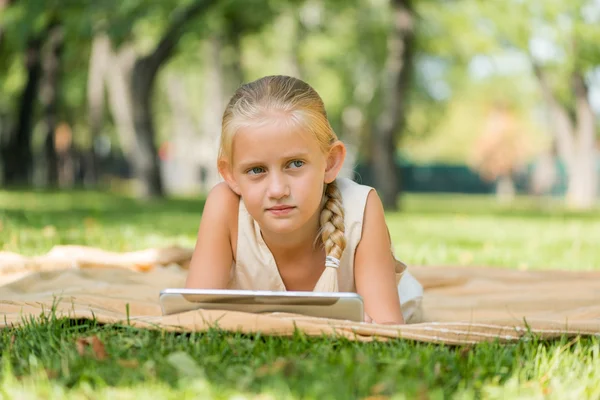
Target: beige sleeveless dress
255, 267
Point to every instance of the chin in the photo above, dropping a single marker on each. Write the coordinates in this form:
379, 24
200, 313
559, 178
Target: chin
282, 226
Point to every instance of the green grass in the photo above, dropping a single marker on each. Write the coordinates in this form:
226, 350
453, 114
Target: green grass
42, 359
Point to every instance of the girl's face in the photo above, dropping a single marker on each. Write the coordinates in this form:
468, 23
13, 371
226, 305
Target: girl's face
280, 172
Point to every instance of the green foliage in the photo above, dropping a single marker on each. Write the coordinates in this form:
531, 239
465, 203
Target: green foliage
24, 21
340, 48
486, 48
559, 36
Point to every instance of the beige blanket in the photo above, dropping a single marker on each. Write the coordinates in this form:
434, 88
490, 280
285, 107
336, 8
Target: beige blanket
461, 305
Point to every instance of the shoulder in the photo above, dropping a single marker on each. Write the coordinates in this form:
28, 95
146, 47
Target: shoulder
222, 207
351, 187
354, 198
375, 246
354, 195
374, 213
222, 196
374, 229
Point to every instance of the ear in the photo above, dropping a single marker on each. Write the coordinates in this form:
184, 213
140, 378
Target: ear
227, 173
335, 161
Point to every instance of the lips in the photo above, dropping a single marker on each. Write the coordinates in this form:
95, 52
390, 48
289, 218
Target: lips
280, 210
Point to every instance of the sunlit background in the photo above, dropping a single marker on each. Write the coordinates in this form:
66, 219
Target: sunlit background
496, 97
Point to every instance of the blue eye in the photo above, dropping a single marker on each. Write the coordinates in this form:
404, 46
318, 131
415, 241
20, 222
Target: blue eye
255, 171
296, 164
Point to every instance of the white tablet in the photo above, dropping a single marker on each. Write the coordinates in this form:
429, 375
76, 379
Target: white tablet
345, 306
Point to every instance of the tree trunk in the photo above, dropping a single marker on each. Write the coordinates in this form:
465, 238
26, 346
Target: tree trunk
100, 59
582, 190
575, 141
146, 165
49, 98
145, 159
181, 167
390, 121
17, 157
214, 98
119, 101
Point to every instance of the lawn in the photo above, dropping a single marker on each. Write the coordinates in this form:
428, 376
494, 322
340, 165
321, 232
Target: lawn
51, 358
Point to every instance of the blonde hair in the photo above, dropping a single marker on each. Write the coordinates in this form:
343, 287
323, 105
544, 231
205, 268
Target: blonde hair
256, 103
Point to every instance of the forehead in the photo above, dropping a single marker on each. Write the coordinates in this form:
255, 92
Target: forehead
272, 140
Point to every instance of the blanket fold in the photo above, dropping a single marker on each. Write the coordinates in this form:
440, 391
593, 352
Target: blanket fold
462, 305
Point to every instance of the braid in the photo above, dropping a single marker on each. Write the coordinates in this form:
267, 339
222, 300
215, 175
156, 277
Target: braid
332, 222
332, 236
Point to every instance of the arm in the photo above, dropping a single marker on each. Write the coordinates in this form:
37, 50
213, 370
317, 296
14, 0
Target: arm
213, 255
374, 266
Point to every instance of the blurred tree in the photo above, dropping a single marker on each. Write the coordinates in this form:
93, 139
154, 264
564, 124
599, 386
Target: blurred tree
17, 158
390, 122
49, 96
446, 102
137, 76
3, 5
48, 35
501, 150
98, 66
143, 74
561, 40
364, 36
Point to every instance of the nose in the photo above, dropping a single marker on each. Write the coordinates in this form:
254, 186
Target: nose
278, 186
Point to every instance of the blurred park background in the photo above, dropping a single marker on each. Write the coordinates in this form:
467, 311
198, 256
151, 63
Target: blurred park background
476, 120
465, 96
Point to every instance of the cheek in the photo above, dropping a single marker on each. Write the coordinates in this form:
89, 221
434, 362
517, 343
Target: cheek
313, 195
251, 193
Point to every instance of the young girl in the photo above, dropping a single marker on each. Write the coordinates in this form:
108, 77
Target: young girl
283, 220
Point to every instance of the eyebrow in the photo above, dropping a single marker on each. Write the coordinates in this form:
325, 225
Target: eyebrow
284, 156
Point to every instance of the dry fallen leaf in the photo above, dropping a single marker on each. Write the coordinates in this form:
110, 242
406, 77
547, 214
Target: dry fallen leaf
80, 345
464, 352
97, 347
51, 374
